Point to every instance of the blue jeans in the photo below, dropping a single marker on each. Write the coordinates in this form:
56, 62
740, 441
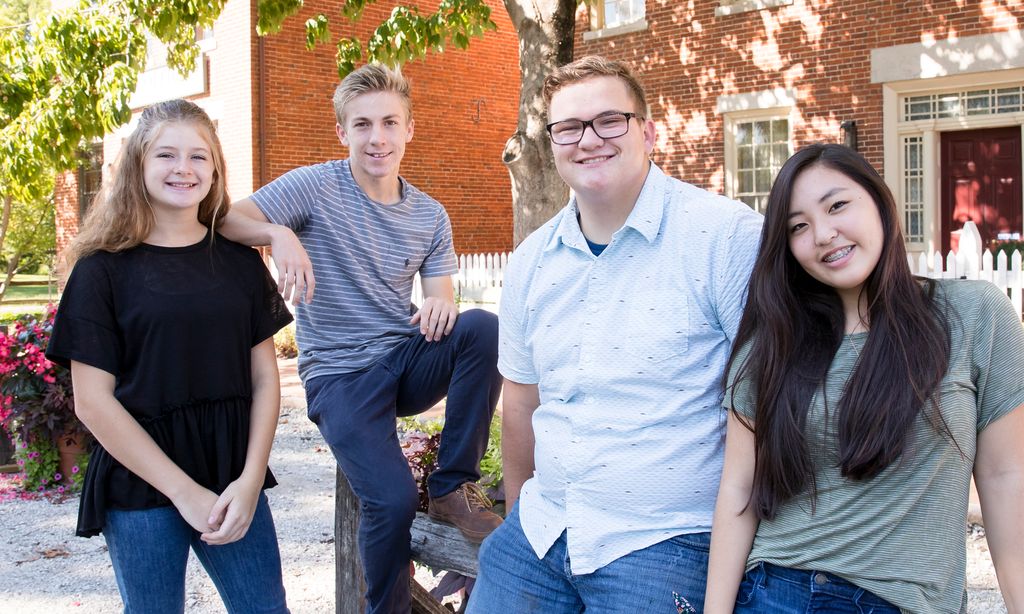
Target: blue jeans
770, 588
356, 412
513, 580
149, 550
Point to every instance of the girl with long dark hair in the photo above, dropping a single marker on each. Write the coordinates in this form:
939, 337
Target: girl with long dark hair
861, 400
168, 334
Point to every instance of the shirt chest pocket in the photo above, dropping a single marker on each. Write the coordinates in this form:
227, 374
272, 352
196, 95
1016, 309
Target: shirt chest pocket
658, 330
401, 264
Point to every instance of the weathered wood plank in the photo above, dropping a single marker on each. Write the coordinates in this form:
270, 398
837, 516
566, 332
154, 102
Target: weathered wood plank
442, 546
423, 602
349, 586
437, 545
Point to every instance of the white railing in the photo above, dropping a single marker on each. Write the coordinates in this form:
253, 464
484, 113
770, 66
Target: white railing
969, 262
478, 282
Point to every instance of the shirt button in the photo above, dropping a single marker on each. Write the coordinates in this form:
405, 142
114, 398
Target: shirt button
820, 579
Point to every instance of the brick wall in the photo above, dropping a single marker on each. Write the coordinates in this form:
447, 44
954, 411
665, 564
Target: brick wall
66, 200
464, 104
687, 57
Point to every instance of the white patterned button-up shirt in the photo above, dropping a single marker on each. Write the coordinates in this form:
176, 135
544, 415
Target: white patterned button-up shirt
628, 351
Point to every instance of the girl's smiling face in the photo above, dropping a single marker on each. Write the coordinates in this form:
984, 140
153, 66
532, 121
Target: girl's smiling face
178, 168
835, 230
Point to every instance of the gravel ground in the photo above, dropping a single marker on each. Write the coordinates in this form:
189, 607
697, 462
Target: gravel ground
45, 569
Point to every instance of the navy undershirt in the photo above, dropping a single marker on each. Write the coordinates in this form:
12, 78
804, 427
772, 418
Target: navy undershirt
595, 248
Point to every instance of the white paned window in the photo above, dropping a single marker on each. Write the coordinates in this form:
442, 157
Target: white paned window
762, 146
913, 189
615, 13
964, 103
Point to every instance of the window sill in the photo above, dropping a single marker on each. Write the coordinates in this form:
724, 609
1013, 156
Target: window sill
626, 28
746, 6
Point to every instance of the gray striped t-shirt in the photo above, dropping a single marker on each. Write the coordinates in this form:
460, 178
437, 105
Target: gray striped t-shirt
364, 257
901, 535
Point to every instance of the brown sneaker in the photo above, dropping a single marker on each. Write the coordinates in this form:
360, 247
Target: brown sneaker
469, 509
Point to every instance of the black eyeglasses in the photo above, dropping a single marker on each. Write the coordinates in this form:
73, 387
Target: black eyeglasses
607, 126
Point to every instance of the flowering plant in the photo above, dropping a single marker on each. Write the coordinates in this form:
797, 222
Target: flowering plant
40, 473
35, 394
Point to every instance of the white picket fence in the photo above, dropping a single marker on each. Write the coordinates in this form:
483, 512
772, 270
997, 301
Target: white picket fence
1006, 274
969, 262
478, 282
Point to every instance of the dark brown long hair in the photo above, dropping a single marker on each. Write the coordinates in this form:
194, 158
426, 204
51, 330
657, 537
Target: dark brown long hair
794, 325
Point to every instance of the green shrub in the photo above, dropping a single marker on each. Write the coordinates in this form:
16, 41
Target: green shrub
11, 313
1008, 247
284, 342
38, 460
490, 464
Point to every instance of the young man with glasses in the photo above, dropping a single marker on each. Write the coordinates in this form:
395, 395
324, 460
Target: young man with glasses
366, 232
617, 318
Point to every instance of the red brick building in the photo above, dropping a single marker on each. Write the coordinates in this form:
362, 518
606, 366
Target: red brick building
271, 100
932, 92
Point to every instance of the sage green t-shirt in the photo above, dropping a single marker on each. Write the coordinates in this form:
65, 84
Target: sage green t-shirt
902, 535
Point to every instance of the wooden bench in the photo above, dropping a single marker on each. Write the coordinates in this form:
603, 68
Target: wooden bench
436, 545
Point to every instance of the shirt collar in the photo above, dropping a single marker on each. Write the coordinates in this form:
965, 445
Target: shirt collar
645, 217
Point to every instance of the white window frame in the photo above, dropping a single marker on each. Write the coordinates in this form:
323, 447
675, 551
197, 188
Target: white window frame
779, 105
896, 130
736, 7
600, 29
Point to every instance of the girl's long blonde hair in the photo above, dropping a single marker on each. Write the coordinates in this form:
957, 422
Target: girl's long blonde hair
121, 217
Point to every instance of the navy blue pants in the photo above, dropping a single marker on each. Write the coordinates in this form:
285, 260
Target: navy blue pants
356, 414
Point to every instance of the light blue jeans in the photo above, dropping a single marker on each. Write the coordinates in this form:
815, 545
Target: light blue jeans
513, 580
770, 588
149, 551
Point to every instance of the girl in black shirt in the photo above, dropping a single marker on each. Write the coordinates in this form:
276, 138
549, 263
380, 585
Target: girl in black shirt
167, 329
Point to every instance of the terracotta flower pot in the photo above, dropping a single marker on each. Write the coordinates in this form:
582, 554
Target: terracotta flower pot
71, 448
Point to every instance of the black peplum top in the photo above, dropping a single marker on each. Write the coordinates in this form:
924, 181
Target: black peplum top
175, 326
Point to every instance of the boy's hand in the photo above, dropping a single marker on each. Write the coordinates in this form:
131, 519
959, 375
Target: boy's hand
294, 269
436, 318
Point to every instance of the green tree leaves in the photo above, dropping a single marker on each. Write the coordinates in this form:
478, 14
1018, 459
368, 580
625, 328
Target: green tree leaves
406, 34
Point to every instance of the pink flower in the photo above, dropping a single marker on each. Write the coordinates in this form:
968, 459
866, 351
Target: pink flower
60, 489
74, 469
57, 477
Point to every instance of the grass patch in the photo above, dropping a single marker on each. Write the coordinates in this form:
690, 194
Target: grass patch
36, 294
10, 313
28, 290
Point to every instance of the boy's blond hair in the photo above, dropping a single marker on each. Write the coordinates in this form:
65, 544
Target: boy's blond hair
371, 78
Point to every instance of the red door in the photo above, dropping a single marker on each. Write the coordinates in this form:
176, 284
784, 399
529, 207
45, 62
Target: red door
981, 181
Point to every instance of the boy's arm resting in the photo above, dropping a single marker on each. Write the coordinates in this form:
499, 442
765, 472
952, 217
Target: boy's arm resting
438, 313
246, 224
734, 522
999, 476
519, 401
120, 434
233, 512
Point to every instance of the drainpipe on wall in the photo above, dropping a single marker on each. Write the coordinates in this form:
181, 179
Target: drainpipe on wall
261, 110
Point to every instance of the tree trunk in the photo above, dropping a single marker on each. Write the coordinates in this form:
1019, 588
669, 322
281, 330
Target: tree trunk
545, 29
5, 222
12, 268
